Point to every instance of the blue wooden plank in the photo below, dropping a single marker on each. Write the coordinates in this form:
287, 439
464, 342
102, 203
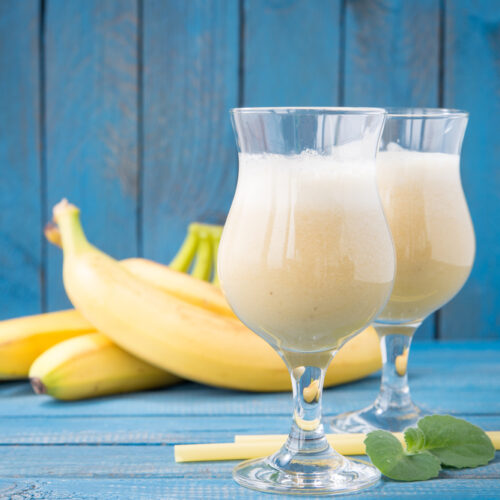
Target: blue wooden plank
223, 488
472, 82
392, 59
20, 170
190, 63
91, 122
140, 462
392, 53
53, 453
48, 463
291, 52
146, 430
474, 373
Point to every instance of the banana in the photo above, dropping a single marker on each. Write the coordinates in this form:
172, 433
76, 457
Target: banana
169, 278
23, 339
180, 285
190, 341
91, 365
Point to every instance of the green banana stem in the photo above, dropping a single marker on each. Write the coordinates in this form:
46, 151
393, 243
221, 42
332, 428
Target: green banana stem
67, 217
202, 267
187, 251
215, 250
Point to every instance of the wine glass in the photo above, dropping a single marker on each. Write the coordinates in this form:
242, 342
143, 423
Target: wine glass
418, 171
306, 261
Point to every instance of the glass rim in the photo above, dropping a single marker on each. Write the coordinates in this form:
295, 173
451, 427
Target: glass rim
422, 112
330, 110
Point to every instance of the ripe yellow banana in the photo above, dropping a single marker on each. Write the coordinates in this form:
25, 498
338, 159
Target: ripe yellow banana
23, 339
182, 285
91, 365
170, 278
168, 332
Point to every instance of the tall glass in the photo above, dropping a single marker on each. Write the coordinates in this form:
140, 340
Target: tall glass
306, 261
419, 184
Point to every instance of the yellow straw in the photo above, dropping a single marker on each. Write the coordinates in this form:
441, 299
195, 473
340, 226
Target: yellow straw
248, 446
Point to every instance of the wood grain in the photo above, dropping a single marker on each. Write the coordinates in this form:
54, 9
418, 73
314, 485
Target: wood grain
91, 123
122, 462
122, 447
472, 82
291, 52
221, 487
392, 53
20, 168
147, 430
392, 59
190, 83
472, 368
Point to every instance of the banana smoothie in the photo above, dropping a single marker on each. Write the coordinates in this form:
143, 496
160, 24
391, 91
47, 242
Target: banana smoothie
431, 227
306, 257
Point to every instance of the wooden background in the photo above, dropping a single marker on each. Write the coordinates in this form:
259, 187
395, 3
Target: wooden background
122, 107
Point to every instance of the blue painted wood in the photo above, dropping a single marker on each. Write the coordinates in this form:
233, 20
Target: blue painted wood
62, 450
472, 82
392, 59
91, 123
222, 488
20, 179
472, 368
391, 53
144, 462
291, 52
147, 430
190, 82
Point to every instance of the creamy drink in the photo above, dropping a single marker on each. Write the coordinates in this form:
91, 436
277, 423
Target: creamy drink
306, 258
418, 177
431, 227
306, 261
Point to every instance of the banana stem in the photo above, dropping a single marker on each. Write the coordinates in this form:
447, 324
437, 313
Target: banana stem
202, 268
67, 217
185, 255
215, 250
52, 233
187, 251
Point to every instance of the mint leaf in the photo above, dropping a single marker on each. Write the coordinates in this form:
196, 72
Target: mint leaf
454, 442
415, 439
387, 454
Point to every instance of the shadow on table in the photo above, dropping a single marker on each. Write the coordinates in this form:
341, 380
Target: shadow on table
14, 388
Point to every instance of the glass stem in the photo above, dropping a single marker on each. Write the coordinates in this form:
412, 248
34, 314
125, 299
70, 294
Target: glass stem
307, 429
306, 441
395, 342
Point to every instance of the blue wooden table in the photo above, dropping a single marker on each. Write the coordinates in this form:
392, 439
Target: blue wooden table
122, 447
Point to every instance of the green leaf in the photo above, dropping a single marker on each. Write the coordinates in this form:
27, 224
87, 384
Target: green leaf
415, 439
455, 442
387, 454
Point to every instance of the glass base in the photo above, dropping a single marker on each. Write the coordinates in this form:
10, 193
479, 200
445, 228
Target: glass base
374, 418
330, 476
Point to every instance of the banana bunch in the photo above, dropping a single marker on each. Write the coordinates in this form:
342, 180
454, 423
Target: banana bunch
67, 348
139, 325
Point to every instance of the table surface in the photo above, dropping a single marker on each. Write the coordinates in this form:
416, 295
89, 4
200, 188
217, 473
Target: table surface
122, 447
